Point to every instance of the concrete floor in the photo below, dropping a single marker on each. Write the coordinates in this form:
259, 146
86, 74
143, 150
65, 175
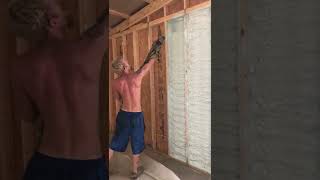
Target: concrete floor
182, 170
157, 166
120, 169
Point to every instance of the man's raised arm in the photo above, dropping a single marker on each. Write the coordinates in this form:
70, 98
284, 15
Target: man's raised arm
99, 29
93, 41
145, 68
153, 54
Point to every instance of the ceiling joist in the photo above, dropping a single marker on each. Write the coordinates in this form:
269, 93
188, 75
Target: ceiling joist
152, 7
148, 1
119, 14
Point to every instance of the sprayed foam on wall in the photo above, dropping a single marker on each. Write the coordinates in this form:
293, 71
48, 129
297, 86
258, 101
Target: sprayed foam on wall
198, 78
189, 92
176, 88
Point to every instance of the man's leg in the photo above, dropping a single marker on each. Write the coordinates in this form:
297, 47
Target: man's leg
135, 162
110, 153
137, 144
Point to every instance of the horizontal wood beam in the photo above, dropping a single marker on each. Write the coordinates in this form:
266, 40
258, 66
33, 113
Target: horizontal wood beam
131, 29
199, 6
161, 20
148, 1
149, 9
119, 14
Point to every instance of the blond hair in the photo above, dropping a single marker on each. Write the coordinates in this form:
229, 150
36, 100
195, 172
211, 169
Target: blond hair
117, 65
29, 18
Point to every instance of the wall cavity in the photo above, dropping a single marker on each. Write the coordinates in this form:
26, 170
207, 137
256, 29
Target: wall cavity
189, 97
198, 78
176, 89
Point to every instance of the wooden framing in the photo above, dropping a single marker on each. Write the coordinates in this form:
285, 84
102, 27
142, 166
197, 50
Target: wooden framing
149, 1
152, 7
160, 20
117, 13
152, 93
124, 46
155, 84
131, 29
199, 6
135, 50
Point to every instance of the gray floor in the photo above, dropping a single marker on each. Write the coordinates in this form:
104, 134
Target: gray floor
183, 171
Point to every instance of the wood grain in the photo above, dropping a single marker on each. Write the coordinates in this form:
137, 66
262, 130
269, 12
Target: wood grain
175, 6
152, 91
191, 3
145, 88
160, 86
118, 46
156, 15
118, 53
129, 47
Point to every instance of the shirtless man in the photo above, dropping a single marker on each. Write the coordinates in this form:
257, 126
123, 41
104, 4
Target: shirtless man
126, 89
57, 82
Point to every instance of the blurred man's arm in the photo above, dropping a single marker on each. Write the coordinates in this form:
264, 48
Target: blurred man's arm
93, 40
98, 30
24, 108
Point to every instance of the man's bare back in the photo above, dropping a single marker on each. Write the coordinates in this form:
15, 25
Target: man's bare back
57, 82
128, 87
63, 86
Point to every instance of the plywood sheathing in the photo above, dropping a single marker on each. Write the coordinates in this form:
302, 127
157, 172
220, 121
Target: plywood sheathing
191, 3
160, 87
175, 6
145, 88
129, 49
119, 53
156, 15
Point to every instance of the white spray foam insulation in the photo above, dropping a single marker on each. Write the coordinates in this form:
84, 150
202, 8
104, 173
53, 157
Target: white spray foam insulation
198, 78
176, 95
189, 88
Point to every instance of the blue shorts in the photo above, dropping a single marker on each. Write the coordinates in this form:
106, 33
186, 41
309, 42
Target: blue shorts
43, 167
129, 125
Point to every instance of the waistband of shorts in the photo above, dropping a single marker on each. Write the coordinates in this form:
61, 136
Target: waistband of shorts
123, 111
40, 155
